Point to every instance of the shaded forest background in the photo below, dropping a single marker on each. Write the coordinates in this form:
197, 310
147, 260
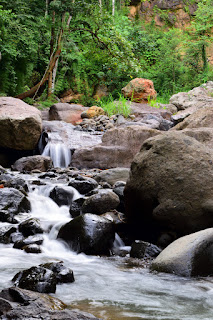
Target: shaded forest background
50, 46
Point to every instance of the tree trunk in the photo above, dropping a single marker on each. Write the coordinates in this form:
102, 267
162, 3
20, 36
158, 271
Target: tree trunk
113, 7
32, 91
50, 80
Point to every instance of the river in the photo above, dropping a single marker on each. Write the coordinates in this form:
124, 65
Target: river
109, 287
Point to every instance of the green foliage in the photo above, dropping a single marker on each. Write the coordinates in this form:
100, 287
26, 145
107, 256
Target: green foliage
99, 48
112, 107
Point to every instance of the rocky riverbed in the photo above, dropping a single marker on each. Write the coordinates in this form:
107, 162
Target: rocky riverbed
89, 232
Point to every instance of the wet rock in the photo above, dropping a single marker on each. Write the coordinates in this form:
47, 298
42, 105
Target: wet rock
89, 233
21, 243
63, 274
101, 202
139, 90
118, 188
142, 249
178, 197
20, 124
5, 306
62, 195
32, 248
30, 227
37, 279
13, 201
28, 164
10, 181
25, 305
189, 256
5, 233
83, 184
76, 207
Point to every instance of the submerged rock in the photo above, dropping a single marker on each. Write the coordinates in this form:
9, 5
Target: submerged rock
189, 256
89, 233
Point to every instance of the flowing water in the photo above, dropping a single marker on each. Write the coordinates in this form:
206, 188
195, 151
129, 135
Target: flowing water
61, 138
110, 288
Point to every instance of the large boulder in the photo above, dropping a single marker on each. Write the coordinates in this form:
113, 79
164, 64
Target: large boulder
20, 124
198, 97
38, 162
88, 233
170, 187
70, 113
21, 304
201, 118
191, 255
139, 90
118, 148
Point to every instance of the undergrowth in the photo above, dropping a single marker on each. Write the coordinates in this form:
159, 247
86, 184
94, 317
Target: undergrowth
112, 107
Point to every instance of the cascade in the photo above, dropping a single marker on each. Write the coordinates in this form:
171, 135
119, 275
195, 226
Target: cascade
57, 151
59, 139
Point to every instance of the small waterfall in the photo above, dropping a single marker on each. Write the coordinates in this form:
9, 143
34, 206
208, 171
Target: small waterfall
57, 151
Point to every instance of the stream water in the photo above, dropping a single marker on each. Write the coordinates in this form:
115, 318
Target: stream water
110, 288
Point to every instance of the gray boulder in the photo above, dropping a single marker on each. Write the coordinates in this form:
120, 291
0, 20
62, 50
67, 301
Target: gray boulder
198, 97
118, 148
20, 124
200, 118
189, 256
40, 163
170, 187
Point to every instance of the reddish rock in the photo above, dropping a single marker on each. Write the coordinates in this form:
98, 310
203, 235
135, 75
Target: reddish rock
92, 112
139, 90
69, 95
70, 113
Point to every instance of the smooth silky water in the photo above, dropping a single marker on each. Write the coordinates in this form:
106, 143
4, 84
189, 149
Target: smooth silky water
109, 287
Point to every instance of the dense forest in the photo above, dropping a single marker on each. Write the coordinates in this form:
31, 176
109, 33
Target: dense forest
50, 46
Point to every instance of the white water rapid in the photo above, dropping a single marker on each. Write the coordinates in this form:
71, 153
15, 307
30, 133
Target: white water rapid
111, 288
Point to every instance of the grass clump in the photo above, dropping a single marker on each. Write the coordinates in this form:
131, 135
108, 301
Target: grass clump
113, 107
